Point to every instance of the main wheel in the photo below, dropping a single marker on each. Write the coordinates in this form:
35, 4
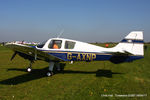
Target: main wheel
29, 69
49, 73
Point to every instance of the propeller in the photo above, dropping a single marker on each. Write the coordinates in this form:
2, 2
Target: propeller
61, 32
13, 56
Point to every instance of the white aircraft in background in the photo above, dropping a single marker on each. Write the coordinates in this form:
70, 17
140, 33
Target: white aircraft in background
56, 50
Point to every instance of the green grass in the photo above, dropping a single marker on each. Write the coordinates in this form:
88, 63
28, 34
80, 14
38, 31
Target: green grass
80, 81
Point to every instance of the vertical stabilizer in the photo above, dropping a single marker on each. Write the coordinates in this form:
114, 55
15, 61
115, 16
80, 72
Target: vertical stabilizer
133, 43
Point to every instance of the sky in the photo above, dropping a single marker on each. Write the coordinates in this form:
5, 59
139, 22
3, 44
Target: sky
83, 20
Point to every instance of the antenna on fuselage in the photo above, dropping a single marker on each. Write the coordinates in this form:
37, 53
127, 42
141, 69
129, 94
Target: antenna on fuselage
61, 32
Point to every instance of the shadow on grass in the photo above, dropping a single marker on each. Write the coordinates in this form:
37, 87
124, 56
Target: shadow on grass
33, 75
40, 73
99, 73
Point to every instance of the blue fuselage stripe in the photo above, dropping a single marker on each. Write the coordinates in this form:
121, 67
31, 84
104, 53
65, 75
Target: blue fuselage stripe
90, 57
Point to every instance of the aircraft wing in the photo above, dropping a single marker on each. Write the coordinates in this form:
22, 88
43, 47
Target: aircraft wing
33, 52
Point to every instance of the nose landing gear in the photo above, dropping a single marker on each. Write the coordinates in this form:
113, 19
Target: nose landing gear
29, 69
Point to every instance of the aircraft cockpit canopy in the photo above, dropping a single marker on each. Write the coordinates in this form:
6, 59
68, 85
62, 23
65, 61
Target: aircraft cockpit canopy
58, 44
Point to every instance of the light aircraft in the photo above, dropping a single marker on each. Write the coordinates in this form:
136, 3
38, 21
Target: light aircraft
56, 50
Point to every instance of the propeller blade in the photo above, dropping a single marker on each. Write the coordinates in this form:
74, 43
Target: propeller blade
13, 56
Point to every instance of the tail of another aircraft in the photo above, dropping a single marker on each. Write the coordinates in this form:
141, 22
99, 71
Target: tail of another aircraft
133, 43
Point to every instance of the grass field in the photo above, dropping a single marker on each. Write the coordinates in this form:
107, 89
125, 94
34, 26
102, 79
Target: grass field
80, 81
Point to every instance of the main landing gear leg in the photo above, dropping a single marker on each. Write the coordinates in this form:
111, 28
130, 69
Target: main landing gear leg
30, 67
51, 66
58, 66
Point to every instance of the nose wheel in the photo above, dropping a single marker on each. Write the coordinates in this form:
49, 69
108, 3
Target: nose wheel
29, 69
30, 66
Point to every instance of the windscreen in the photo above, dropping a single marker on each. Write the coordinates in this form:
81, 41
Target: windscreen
41, 45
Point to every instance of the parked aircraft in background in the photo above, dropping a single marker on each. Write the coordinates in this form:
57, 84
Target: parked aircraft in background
56, 50
24, 42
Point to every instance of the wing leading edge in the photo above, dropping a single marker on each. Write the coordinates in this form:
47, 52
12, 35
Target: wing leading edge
33, 52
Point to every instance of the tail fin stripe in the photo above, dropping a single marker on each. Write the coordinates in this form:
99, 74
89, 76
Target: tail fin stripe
132, 41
